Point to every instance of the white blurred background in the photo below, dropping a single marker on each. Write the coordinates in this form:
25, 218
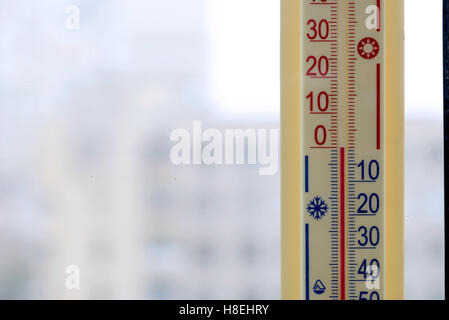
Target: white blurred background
85, 173
424, 174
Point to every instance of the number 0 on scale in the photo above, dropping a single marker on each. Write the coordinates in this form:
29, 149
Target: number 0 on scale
342, 149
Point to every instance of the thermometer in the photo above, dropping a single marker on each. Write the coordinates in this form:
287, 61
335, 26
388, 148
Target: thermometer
342, 149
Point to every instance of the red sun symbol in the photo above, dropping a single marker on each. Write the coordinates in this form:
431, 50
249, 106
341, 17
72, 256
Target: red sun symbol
368, 48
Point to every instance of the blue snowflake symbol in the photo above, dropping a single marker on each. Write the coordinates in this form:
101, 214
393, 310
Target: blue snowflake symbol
317, 208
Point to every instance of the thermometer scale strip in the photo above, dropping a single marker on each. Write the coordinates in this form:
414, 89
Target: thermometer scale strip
342, 149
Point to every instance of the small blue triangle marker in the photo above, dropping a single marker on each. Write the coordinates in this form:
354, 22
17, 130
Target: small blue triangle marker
319, 287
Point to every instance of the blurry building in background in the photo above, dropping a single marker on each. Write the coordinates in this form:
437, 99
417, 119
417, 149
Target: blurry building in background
94, 185
424, 207
214, 231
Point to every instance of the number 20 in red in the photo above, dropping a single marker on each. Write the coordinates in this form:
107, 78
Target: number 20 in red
318, 65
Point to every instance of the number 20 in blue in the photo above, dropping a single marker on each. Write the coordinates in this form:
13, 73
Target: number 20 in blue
372, 201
